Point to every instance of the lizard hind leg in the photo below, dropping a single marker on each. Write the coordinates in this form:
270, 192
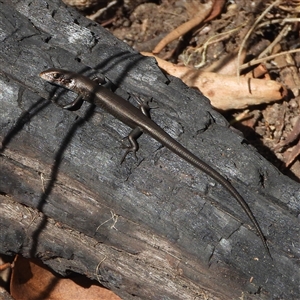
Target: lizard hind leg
136, 132
133, 144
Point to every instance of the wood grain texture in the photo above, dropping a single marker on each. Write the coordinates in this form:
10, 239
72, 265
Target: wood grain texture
155, 228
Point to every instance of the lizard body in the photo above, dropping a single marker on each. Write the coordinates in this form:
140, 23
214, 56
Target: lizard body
130, 115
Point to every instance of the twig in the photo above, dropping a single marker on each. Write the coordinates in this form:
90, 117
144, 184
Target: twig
222, 36
249, 33
185, 27
275, 21
284, 31
101, 11
259, 60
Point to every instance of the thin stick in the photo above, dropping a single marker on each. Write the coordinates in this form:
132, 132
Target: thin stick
184, 28
259, 60
284, 31
249, 33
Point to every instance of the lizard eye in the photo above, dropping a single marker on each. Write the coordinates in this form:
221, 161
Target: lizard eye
56, 75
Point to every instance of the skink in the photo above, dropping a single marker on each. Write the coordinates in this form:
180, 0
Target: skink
90, 90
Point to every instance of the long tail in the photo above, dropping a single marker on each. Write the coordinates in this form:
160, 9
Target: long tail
185, 154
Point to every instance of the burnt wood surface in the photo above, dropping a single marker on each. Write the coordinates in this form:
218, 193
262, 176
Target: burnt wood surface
152, 228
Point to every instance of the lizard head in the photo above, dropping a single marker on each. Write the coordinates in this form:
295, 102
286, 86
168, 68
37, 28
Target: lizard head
60, 77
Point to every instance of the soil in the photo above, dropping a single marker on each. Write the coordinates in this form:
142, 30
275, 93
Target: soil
274, 129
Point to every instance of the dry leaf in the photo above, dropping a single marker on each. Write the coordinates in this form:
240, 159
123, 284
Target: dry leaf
224, 91
33, 280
